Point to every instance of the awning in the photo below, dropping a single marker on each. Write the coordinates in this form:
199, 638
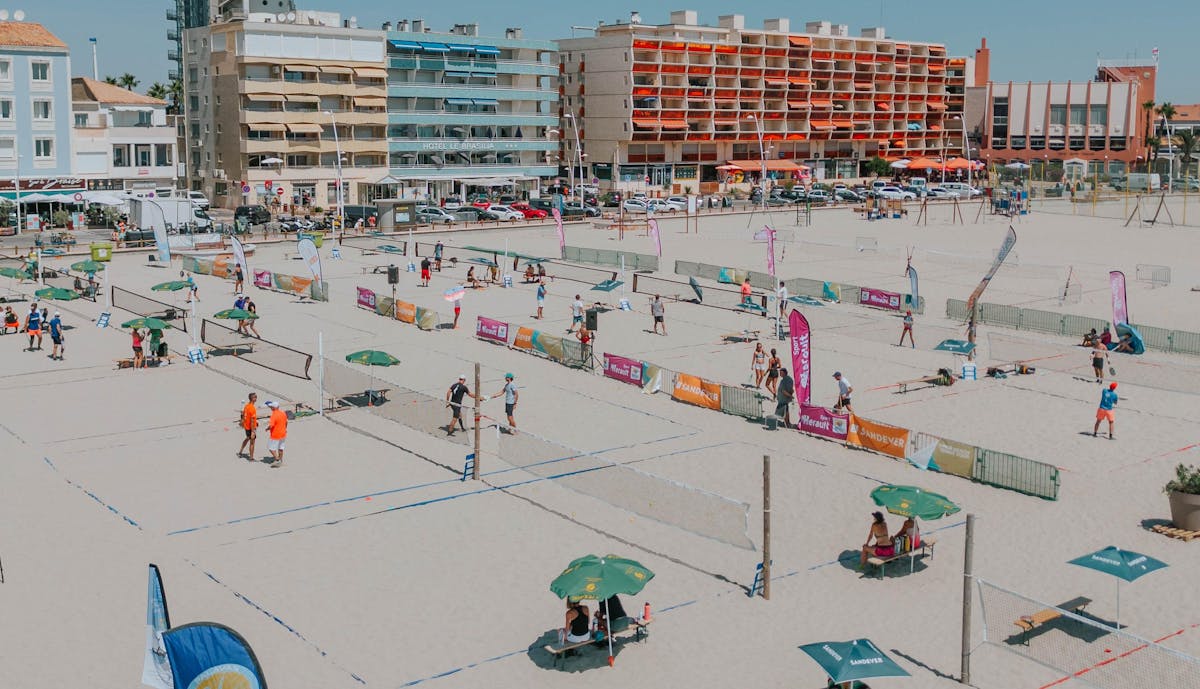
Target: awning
646, 123
862, 84
843, 124
267, 127
820, 124
336, 69
303, 98
937, 68
304, 128
302, 68
800, 81
775, 165
777, 82
675, 124
370, 101
459, 75
485, 101
883, 106
132, 108
460, 48
435, 47
798, 104
265, 97
405, 45
487, 50
934, 105
822, 103
458, 101
370, 72
484, 75
800, 41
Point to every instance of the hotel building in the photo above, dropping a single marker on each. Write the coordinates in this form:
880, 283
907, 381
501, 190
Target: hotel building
679, 103
122, 140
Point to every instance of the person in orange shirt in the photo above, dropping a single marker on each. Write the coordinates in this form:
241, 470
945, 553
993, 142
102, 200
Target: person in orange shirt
250, 425
278, 428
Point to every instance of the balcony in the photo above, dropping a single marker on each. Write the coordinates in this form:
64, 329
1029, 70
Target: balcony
498, 145
171, 16
423, 90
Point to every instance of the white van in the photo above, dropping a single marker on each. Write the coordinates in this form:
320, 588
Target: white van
918, 182
964, 190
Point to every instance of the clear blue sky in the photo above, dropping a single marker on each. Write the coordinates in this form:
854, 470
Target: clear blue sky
1030, 39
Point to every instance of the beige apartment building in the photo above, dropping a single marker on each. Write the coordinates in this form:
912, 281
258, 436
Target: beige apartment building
682, 104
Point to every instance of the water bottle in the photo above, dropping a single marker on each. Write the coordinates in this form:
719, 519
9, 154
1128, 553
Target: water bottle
645, 612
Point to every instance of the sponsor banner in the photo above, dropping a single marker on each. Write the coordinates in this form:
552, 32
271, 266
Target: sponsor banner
1116, 279
697, 391
292, 283
366, 297
262, 278
770, 251
384, 306
162, 244
952, 457
307, 249
801, 343
831, 291
1010, 240
538, 341
427, 319
623, 369
868, 296
558, 225
877, 437
156, 669
913, 285
239, 254
651, 378
653, 225
406, 312
488, 329
820, 421
207, 654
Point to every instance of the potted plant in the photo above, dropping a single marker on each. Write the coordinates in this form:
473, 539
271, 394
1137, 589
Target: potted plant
1184, 494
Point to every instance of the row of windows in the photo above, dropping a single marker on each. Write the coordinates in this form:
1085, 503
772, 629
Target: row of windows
1060, 114
43, 149
143, 155
43, 109
39, 70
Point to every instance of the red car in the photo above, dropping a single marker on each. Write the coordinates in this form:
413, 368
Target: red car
528, 211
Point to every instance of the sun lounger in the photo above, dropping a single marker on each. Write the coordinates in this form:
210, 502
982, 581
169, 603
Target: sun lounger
620, 627
926, 548
1028, 623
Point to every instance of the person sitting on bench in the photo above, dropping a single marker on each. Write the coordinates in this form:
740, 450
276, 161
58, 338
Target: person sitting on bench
610, 609
910, 531
530, 276
1126, 344
883, 543
578, 623
1091, 338
471, 278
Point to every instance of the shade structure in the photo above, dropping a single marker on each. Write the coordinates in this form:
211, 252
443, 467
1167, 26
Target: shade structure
958, 164
1125, 565
455, 293
57, 293
847, 661
912, 501
372, 357
599, 578
1017, 165
901, 164
955, 346
10, 272
87, 266
146, 323
235, 315
607, 285
172, 286
924, 164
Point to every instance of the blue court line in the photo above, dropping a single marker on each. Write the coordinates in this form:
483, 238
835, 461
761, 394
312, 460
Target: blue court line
92, 495
274, 617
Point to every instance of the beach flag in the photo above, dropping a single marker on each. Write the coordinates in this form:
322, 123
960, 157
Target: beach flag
239, 255
912, 286
1006, 246
801, 355
562, 237
770, 251
207, 654
652, 224
156, 669
307, 249
1116, 279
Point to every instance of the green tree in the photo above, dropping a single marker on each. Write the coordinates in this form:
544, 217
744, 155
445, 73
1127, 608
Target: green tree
1185, 143
157, 90
1153, 143
128, 81
878, 166
1148, 110
110, 80
175, 94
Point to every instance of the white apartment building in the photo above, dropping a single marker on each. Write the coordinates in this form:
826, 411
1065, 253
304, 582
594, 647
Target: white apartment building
121, 140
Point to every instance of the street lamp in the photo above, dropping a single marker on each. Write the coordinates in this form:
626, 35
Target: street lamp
578, 152
762, 158
17, 187
341, 200
966, 148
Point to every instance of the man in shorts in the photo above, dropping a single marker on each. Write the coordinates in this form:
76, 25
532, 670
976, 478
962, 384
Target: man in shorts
454, 400
426, 265
844, 391
510, 401
541, 298
1108, 399
658, 312
437, 256
457, 313
277, 426
56, 337
783, 397
238, 278
576, 314
781, 295
33, 326
250, 426
1099, 356
747, 292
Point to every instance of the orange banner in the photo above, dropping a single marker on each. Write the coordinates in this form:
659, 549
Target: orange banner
406, 312
697, 391
877, 437
524, 338
221, 266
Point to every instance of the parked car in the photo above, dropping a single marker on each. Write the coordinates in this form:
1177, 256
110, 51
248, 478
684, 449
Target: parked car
634, 206
199, 199
508, 200
680, 202
847, 195
896, 193
499, 212
452, 203
1185, 184
942, 193
919, 191
469, 214
611, 199
480, 201
662, 206
255, 215
575, 209
529, 211
818, 196
434, 215
964, 190
639, 195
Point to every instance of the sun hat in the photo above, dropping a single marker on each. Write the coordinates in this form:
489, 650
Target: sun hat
272, 404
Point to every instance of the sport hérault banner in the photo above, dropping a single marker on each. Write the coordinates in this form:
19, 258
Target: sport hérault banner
207, 655
156, 669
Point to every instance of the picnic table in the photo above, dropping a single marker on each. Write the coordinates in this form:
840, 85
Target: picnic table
1028, 623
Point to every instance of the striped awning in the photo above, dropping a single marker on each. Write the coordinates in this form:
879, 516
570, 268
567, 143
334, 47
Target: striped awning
370, 72
304, 128
303, 98
267, 127
336, 69
405, 45
302, 68
265, 97
435, 47
487, 50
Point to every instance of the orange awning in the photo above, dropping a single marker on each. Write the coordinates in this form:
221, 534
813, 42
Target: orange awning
934, 105
775, 165
882, 106
798, 104
822, 103
937, 68
674, 124
820, 124
842, 124
935, 127
937, 48
800, 81
777, 82
800, 41
649, 124
862, 84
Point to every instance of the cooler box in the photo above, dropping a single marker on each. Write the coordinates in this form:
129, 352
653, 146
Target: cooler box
771, 422
969, 372
101, 251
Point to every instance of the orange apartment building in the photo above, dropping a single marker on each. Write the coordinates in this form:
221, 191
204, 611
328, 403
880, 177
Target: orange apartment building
680, 104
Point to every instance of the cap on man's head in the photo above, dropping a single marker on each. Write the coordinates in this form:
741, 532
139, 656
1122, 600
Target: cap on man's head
1112, 386
57, 313
462, 377
272, 404
508, 376
838, 374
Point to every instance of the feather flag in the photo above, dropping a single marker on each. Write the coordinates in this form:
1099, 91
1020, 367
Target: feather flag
652, 224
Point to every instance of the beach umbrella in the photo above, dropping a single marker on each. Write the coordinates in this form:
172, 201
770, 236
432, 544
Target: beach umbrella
1017, 165
900, 164
236, 315
599, 578
848, 661
172, 286
371, 357
56, 293
751, 307
483, 262
1123, 564
10, 272
924, 164
607, 285
696, 288
911, 501
455, 293
147, 323
955, 346
87, 266
958, 164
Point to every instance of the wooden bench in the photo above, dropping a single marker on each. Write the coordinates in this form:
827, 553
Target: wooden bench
373, 270
623, 626
926, 548
1028, 623
926, 380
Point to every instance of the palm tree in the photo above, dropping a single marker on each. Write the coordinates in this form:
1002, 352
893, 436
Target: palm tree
175, 91
1185, 143
110, 80
1148, 108
1152, 145
128, 81
157, 90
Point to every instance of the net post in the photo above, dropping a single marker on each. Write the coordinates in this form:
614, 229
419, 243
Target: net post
766, 561
478, 456
968, 553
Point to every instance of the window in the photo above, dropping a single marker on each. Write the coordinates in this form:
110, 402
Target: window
162, 155
5, 70
81, 121
39, 71
6, 109
1078, 114
43, 109
7, 148
145, 118
141, 153
1058, 114
1099, 114
43, 148
121, 155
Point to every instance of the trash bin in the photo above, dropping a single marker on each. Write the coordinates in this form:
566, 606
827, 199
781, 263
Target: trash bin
317, 237
101, 251
591, 319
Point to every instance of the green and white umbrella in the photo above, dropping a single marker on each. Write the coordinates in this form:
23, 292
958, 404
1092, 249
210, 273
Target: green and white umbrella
57, 293
912, 501
371, 357
599, 578
87, 266
236, 315
848, 661
146, 323
172, 286
15, 273
1123, 564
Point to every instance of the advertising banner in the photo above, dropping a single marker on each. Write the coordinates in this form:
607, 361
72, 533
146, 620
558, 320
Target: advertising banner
770, 251
913, 285
562, 235
156, 669
651, 378
239, 254
877, 437
307, 249
207, 654
427, 319
220, 266
292, 283
879, 298
262, 278
653, 225
1116, 279
801, 343
952, 457
1010, 240
697, 391
161, 243
623, 369
366, 297
488, 329
535, 340
406, 312
820, 421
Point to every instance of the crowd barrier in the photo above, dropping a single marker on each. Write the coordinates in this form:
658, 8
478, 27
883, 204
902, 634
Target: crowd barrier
145, 306
730, 399
292, 284
228, 341
423, 318
570, 353
1155, 338
609, 257
221, 266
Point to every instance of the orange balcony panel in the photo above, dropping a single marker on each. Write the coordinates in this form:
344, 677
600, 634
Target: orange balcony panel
697, 95
843, 56
645, 45
644, 91
699, 47
699, 69
751, 50
674, 45
673, 69
772, 137
934, 105
864, 60
725, 71
800, 81
646, 123
672, 92
800, 41
726, 93
935, 127
674, 124
645, 67
937, 68
644, 114
726, 49
822, 55
674, 114
796, 137
859, 137
822, 103
799, 104
773, 116
752, 71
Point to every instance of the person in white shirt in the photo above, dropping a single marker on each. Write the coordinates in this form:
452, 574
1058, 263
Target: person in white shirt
782, 295
576, 314
844, 391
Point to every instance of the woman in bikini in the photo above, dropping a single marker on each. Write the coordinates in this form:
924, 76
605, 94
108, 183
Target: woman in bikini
773, 366
758, 364
883, 543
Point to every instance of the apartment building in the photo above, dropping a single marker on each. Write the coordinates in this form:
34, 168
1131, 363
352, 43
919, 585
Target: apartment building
682, 104
278, 107
121, 140
468, 111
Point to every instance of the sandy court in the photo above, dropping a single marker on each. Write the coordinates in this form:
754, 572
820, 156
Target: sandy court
366, 561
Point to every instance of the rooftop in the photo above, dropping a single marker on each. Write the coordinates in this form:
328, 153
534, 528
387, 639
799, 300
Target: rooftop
85, 89
28, 35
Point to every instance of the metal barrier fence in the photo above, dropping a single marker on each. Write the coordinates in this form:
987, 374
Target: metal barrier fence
377, 244
740, 401
1157, 276
145, 306
228, 341
1016, 473
569, 353
609, 257
581, 274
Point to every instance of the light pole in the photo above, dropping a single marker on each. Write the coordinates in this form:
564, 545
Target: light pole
17, 185
341, 200
966, 148
762, 159
578, 151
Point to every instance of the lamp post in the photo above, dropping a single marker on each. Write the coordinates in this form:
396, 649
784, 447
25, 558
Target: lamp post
966, 147
341, 200
762, 159
578, 152
17, 186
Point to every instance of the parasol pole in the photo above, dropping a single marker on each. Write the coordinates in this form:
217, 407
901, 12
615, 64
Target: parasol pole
320, 373
608, 618
1118, 604
968, 560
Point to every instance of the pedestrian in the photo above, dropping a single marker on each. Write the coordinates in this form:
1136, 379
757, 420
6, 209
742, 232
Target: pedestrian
240, 303
250, 322
510, 401
658, 312
437, 256
250, 425
783, 397
238, 278
426, 264
585, 338
139, 357
193, 288
576, 314
908, 325
845, 389
747, 292
773, 366
359, 225
1099, 356
758, 364
454, 399
56, 337
457, 313
1108, 399
33, 326
782, 295
541, 298
277, 426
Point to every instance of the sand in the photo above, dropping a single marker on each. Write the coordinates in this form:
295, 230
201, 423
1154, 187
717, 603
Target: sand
366, 557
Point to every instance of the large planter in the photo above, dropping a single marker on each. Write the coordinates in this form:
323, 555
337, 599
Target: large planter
1185, 510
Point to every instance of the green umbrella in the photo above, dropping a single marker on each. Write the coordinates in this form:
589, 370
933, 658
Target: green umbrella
599, 578
371, 357
1122, 564
10, 272
236, 315
911, 501
56, 293
172, 286
955, 346
87, 266
847, 661
147, 323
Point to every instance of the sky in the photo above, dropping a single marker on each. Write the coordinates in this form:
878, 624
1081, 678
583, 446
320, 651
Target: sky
1031, 40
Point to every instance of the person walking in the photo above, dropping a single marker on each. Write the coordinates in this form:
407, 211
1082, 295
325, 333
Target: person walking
1108, 400
585, 337
33, 326
250, 426
239, 277
457, 313
510, 401
193, 288
747, 292
541, 298
783, 397
250, 323
1099, 356
908, 325
845, 389
454, 399
576, 314
774, 364
56, 337
437, 255
781, 295
277, 426
139, 357
758, 364
426, 265
240, 303
658, 311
